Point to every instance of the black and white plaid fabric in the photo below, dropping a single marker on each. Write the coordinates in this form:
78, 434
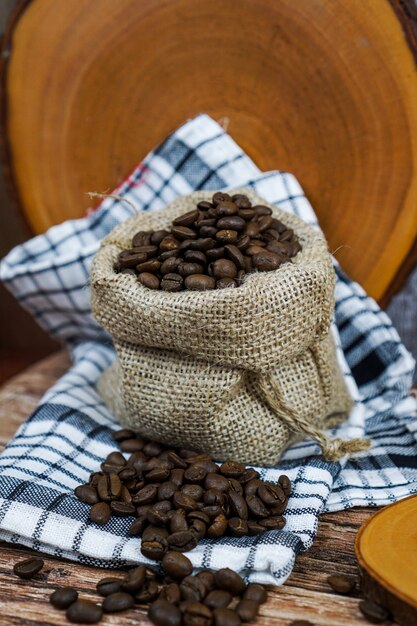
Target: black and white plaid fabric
70, 432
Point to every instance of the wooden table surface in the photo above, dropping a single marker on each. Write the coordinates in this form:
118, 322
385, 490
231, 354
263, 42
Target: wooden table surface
305, 595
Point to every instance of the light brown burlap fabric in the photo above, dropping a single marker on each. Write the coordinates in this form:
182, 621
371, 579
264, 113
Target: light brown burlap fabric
238, 373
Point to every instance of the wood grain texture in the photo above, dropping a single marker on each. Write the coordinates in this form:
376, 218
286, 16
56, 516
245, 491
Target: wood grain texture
305, 595
323, 88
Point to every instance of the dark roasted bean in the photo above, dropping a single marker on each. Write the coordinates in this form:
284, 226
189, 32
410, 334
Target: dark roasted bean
87, 494
215, 481
225, 617
255, 592
158, 475
84, 612
218, 599
178, 521
208, 579
131, 445
238, 504
248, 475
271, 494
218, 526
148, 593
137, 527
176, 565
158, 236
134, 580
183, 541
214, 497
341, 584
251, 487
193, 491
215, 253
229, 580
187, 219
198, 527
157, 518
63, 597
193, 589
151, 282
266, 261
226, 236
197, 614
120, 601
256, 506
195, 474
100, 513
152, 266
171, 593
271, 523
141, 238
261, 210
183, 232
232, 222
238, 527
247, 610
122, 509
255, 528
109, 585
146, 495
226, 283
373, 612
200, 282
285, 483
163, 613
232, 469
181, 501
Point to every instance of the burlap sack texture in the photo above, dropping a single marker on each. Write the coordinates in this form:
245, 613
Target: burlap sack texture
237, 373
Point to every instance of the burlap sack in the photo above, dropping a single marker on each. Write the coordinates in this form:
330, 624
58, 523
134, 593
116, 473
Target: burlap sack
238, 373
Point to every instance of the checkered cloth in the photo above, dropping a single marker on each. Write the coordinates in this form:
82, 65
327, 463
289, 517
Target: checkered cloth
70, 432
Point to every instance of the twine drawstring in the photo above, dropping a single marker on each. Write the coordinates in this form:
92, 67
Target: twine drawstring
333, 448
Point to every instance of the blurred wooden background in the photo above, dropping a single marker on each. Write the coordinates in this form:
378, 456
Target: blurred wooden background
21, 340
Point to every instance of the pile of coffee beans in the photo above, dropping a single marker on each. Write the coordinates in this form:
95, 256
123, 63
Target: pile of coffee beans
179, 497
211, 247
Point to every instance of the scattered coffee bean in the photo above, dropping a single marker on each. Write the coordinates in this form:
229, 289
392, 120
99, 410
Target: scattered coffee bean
100, 513
226, 617
163, 613
229, 580
255, 592
197, 614
63, 597
84, 612
224, 233
119, 601
341, 584
218, 599
247, 610
134, 579
177, 565
373, 612
109, 585
28, 568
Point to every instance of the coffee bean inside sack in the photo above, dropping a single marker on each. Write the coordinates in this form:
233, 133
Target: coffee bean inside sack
177, 497
213, 246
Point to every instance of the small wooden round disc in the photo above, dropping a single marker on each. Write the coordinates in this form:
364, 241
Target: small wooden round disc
386, 549
324, 89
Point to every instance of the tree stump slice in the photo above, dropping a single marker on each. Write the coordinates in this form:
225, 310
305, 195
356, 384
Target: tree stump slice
386, 549
326, 89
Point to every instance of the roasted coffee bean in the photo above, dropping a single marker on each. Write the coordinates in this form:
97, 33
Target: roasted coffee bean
100, 513
146, 495
204, 206
256, 506
169, 265
152, 266
127, 474
195, 256
177, 476
188, 269
109, 585
122, 434
131, 445
264, 223
255, 592
226, 283
183, 232
208, 579
103, 488
195, 474
286, 235
238, 527
181, 501
158, 475
178, 521
226, 236
252, 486
163, 613
187, 219
218, 599
261, 210
231, 222
192, 589
87, 494
208, 231
120, 601
255, 528
158, 236
142, 238
232, 469
154, 542
373, 612
285, 483
172, 282
215, 253
176, 565
128, 261
198, 527
134, 580
171, 593
215, 481
197, 614
235, 486
266, 261
218, 526
271, 494
183, 541
229, 580
225, 617
157, 518
235, 255
214, 497
193, 491
212, 510
241, 201
248, 475
200, 282
341, 584
247, 213
301, 622
166, 490
272, 523
84, 612
169, 243
63, 597
151, 282
148, 593
247, 610
122, 509
203, 244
